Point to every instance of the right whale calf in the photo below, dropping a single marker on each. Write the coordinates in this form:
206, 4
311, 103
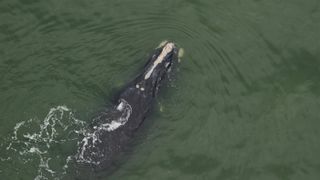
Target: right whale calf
112, 129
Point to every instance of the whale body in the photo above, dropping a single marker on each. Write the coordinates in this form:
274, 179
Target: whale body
112, 129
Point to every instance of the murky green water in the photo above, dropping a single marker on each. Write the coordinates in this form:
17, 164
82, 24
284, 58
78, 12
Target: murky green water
244, 103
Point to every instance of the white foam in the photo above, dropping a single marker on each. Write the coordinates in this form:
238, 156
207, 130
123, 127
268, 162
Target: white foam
91, 139
120, 106
126, 112
29, 144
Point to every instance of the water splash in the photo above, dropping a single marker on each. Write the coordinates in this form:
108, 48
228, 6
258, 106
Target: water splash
91, 140
35, 142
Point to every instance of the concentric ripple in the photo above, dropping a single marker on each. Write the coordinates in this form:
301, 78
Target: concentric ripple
242, 104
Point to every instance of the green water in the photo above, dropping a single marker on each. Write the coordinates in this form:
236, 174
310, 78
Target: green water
244, 102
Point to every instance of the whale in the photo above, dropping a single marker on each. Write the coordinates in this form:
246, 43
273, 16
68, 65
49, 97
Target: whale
112, 129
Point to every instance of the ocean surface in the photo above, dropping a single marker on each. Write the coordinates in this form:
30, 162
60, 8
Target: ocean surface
243, 103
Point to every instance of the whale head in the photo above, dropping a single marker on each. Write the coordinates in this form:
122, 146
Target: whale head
157, 68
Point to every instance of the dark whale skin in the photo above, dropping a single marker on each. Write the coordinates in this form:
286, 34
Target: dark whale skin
102, 146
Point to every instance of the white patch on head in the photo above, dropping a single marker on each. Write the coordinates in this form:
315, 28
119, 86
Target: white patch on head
162, 43
137, 86
166, 50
